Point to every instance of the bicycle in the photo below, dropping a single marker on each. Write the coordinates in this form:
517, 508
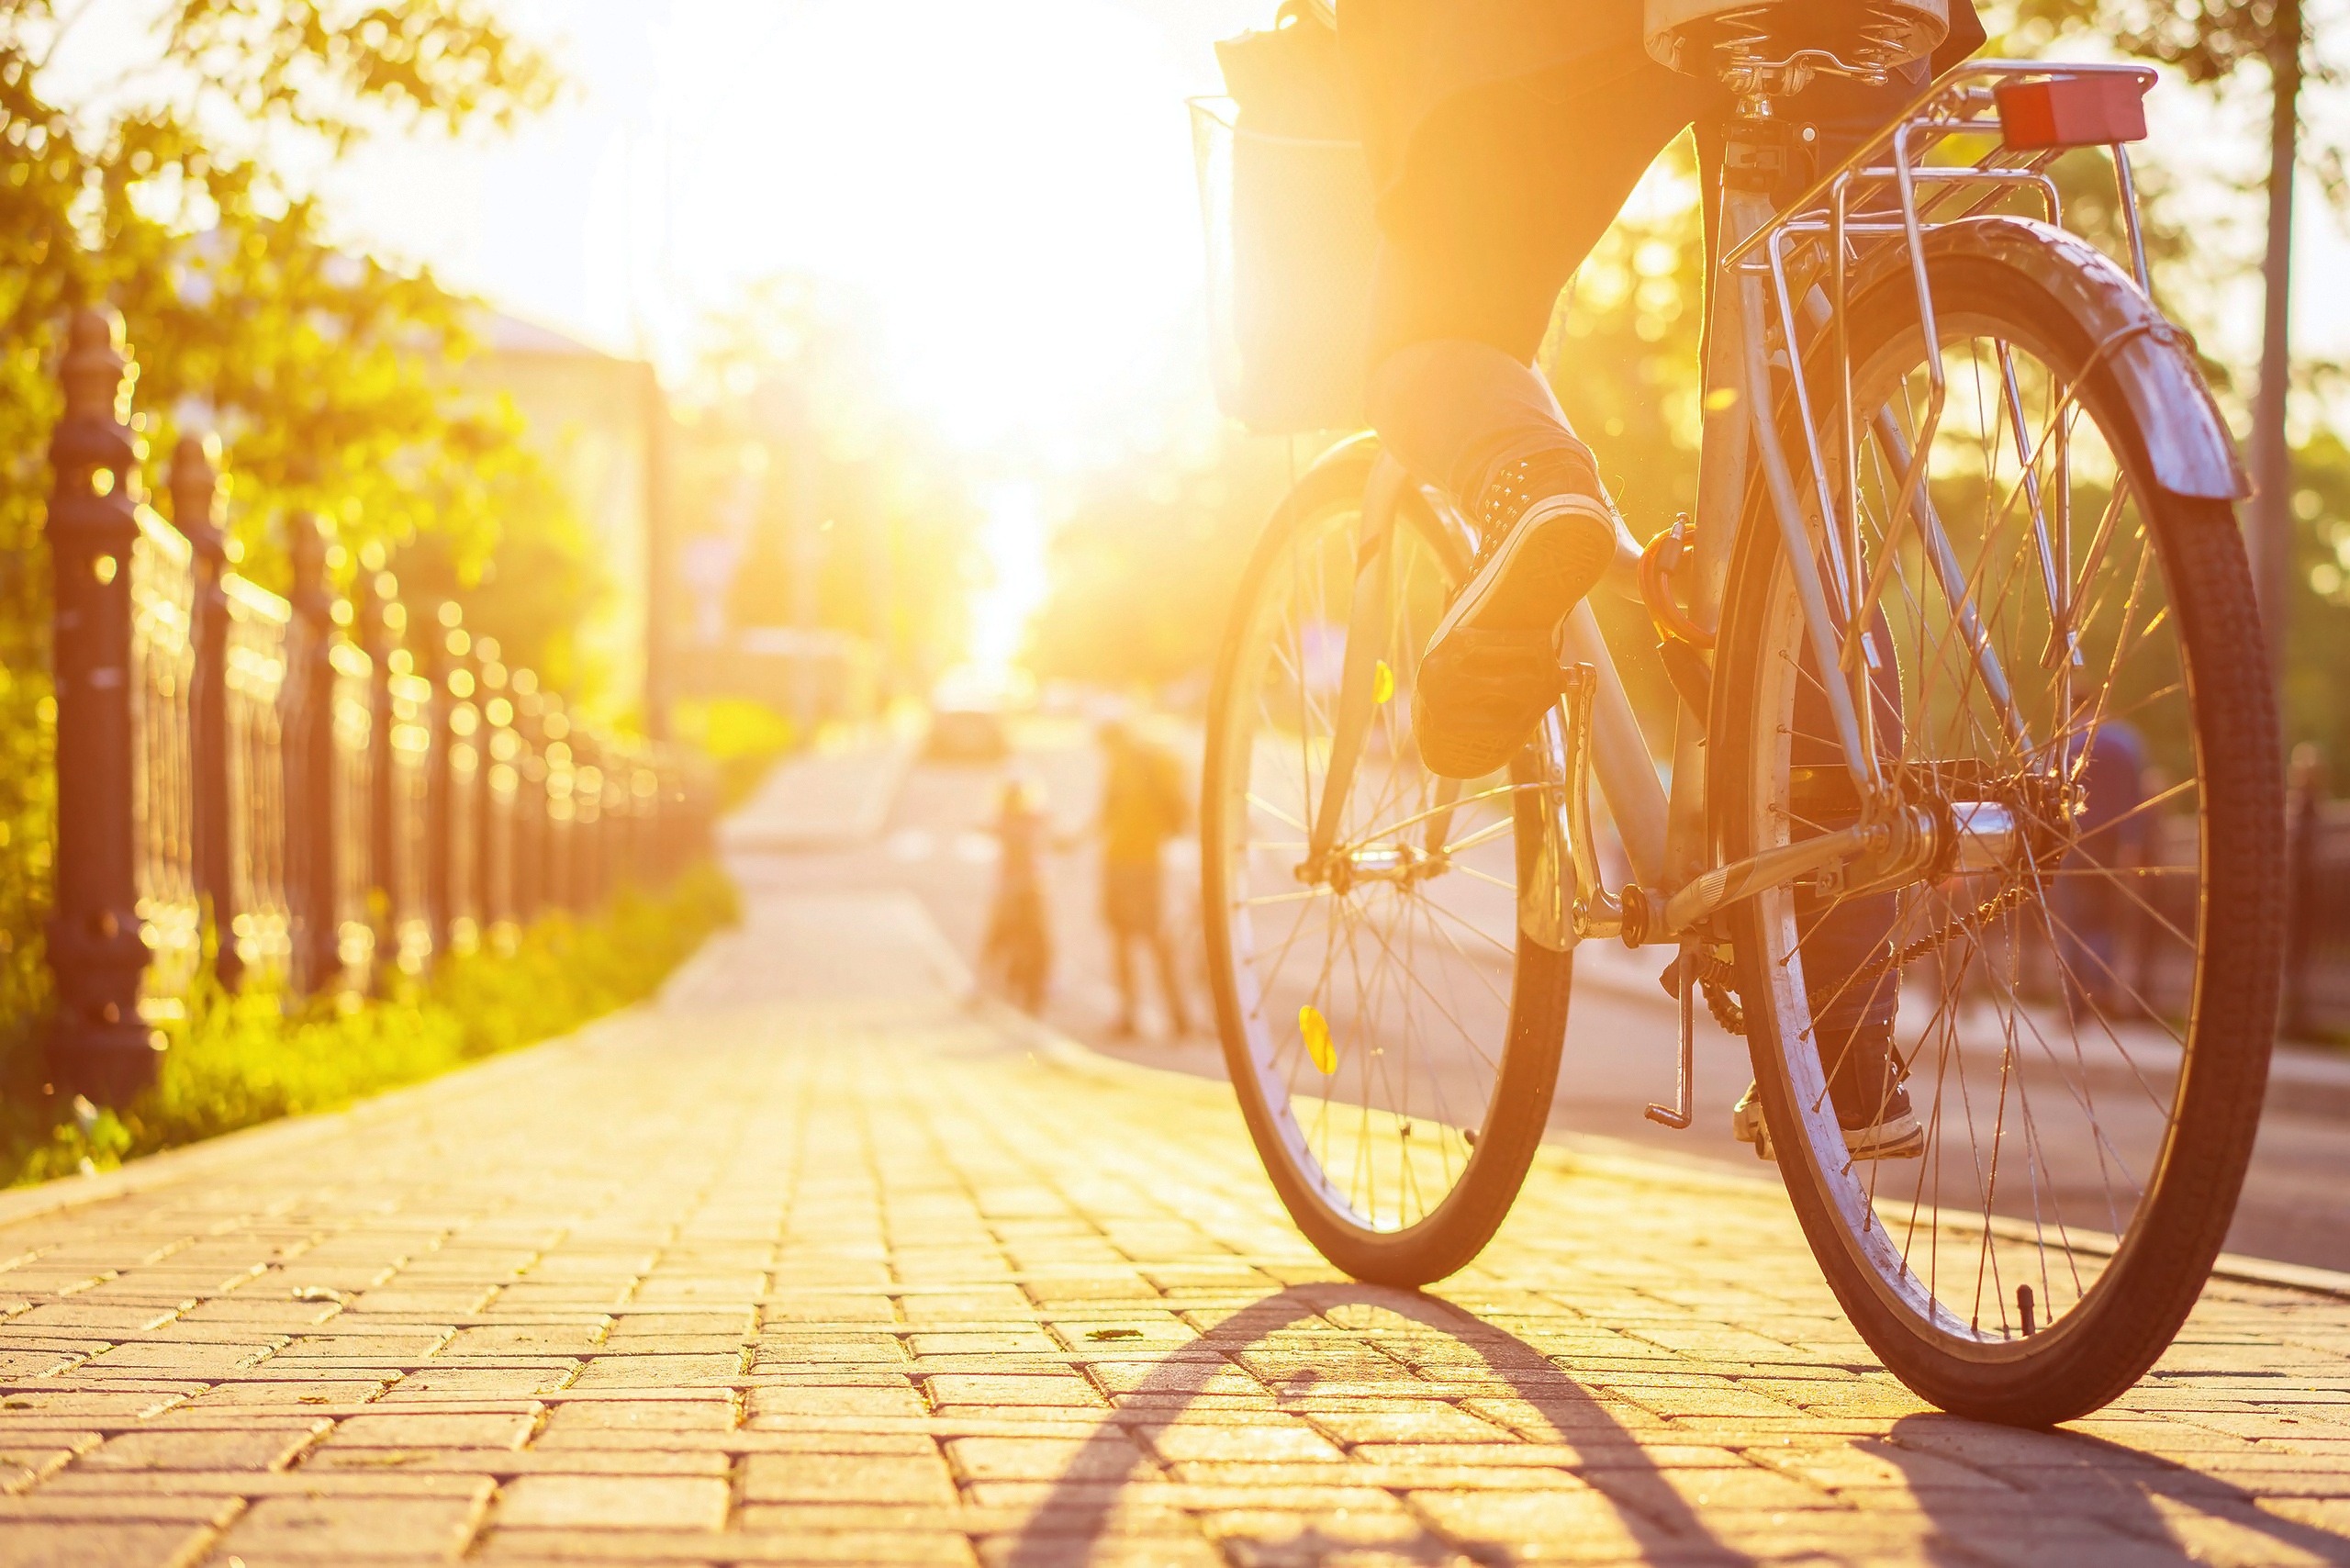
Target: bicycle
1972, 559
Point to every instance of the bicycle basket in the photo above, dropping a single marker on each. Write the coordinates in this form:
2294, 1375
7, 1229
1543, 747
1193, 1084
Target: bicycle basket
1290, 237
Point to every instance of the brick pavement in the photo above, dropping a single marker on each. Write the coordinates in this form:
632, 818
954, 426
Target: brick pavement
810, 1265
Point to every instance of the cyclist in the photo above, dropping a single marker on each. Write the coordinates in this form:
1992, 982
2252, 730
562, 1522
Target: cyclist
1504, 135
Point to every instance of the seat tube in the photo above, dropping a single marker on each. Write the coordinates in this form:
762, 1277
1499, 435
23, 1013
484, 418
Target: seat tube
1722, 475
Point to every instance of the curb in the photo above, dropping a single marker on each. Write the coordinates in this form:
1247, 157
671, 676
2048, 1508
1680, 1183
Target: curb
2303, 1081
166, 1167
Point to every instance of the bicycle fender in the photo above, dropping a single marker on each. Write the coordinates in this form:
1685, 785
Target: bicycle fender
2153, 359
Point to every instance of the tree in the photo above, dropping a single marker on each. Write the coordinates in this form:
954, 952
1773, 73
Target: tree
2213, 42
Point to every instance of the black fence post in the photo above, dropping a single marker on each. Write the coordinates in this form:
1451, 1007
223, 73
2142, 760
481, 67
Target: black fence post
500, 795
530, 828
311, 819
195, 486
380, 621
433, 668
559, 868
463, 776
588, 826
97, 1041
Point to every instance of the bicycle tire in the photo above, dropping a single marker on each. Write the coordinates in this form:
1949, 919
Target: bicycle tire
2155, 1264
1515, 1108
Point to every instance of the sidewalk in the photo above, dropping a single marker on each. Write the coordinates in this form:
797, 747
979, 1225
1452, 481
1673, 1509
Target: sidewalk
837, 792
809, 1265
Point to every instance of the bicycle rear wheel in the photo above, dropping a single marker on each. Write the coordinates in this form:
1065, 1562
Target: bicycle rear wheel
1393, 1037
2080, 1009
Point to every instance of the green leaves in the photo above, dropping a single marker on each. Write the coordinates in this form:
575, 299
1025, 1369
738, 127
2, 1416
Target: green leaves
345, 70
330, 376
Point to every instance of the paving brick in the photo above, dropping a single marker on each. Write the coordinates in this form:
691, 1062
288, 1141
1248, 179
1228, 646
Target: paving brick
253, 1448
903, 1478
481, 1430
572, 1502
982, 1392
23, 1464
44, 1544
355, 1529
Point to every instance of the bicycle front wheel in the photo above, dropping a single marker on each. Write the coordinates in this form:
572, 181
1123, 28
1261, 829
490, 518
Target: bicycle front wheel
1392, 1034
2077, 1007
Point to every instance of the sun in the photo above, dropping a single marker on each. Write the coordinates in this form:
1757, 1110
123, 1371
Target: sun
1009, 186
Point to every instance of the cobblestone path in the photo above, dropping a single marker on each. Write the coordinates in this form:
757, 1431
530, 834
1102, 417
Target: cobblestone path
810, 1265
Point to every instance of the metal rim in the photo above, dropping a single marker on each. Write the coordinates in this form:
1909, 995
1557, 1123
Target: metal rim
1409, 964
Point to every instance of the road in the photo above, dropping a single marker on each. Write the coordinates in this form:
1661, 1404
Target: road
2296, 1207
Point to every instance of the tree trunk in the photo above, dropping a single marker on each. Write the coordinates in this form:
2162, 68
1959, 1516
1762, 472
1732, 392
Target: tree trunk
2272, 458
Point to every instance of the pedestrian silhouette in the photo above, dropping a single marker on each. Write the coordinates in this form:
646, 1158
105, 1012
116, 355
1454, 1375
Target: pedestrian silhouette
1017, 956
1144, 804
2096, 902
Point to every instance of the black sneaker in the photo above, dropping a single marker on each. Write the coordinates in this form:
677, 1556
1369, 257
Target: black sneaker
1491, 668
1872, 1103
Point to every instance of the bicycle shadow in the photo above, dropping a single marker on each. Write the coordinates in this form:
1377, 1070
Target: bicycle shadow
1093, 1488
2094, 1481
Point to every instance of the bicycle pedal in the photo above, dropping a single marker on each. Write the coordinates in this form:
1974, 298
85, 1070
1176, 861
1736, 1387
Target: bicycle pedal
1747, 1125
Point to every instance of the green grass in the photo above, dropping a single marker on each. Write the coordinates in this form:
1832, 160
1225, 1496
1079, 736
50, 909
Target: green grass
246, 1059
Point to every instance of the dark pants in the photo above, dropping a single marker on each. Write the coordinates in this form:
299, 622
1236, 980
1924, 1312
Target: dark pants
1463, 294
1837, 938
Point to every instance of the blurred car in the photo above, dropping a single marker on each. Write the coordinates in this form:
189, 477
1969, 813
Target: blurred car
967, 734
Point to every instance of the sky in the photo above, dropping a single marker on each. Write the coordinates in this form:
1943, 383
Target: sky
1009, 185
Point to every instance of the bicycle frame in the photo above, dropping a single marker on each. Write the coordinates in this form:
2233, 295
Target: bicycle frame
1782, 280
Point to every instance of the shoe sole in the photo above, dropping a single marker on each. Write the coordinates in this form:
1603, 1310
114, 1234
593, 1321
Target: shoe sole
1553, 558
1550, 560
1900, 1138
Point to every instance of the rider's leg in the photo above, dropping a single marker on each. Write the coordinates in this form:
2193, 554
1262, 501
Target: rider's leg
1487, 426
1456, 410
1466, 286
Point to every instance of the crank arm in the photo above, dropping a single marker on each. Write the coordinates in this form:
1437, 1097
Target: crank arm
1864, 854
1726, 885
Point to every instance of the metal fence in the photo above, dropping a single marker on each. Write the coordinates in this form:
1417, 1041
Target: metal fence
326, 793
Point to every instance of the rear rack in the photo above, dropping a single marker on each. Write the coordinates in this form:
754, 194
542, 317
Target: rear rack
1879, 205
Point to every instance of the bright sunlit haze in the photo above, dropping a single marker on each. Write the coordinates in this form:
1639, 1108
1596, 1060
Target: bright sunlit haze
1008, 188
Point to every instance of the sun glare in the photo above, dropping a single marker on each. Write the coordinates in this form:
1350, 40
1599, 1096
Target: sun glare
1014, 543
1009, 185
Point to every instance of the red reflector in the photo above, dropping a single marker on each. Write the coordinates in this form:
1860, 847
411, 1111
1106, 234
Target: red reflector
2074, 111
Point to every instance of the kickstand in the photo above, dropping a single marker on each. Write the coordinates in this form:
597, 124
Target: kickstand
1679, 1114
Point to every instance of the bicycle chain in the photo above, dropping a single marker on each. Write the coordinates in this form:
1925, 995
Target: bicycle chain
1718, 978
1964, 926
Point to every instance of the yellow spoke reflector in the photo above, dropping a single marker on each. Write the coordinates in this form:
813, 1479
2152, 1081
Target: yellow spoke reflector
1316, 1030
1382, 683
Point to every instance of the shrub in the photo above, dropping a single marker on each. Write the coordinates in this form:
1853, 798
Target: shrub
244, 1057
